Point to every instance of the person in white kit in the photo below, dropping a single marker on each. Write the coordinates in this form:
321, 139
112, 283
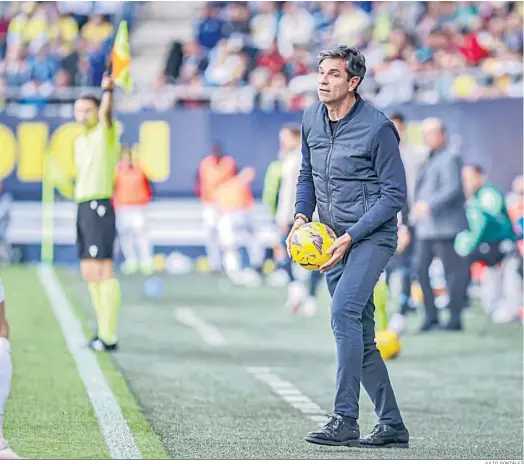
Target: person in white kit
6, 371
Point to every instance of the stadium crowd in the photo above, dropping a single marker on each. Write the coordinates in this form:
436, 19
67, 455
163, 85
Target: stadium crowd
425, 51
247, 55
51, 46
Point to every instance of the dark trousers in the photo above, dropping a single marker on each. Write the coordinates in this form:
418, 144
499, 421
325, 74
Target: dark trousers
456, 273
351, 283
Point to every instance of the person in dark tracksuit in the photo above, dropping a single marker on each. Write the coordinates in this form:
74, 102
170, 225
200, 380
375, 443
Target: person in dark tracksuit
438, 215
352, 171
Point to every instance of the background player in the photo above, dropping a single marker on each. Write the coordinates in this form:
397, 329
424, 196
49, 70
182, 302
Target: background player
490, 239
96, 155
213, 171
6, 370
243, 254
413, 157
132, 195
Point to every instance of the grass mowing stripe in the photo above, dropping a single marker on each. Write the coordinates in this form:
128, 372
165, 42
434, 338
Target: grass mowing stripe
48, 414
114, 428
145, 437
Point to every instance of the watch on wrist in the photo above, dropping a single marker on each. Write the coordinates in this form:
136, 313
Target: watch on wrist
301, 216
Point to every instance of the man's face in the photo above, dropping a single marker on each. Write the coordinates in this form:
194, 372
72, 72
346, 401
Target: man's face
433, 136
333, 84
472, 180
86, 113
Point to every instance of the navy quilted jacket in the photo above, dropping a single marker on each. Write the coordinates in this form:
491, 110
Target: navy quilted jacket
355, 177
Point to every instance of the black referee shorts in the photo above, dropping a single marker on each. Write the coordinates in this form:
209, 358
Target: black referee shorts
95, 229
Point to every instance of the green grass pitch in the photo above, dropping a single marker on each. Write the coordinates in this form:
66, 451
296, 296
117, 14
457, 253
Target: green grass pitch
460, 393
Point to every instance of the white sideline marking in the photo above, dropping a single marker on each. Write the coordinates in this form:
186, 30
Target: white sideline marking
286, 390
210, 334
289, 393
113, 426
294, 397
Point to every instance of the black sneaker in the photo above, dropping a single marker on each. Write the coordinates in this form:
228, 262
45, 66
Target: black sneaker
453, 326
339, 431
98, 345
428, 326
386, 436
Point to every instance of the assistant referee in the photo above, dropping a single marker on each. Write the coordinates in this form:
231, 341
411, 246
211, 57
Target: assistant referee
96, 153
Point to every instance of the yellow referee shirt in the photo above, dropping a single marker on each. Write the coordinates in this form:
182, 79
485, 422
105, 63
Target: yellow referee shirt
97, 152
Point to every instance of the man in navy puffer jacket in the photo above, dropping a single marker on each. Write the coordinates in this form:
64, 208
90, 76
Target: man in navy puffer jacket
352, 171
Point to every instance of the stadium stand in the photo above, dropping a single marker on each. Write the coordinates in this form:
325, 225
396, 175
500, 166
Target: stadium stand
422, 51
241, 56
50, 50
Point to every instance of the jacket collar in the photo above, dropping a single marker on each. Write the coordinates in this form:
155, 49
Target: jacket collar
351, 112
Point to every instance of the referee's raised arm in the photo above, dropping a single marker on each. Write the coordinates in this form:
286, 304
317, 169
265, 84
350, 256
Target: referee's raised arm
105, 112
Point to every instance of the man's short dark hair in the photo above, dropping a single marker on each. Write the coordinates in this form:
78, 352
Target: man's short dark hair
294, 128
90, 97
355, 63
398, 117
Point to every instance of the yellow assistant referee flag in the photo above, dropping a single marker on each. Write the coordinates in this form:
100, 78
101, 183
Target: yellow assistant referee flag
121, 59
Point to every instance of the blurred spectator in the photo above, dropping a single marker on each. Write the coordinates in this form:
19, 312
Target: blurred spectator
350, 24
325, 18
96, 30
264, 25
237, 21
42, 66
210, 28
296, 28
227, 63
438, 215
16, 67
271, 59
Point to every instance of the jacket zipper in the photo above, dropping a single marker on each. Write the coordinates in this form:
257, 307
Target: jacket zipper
328, 160
366, 206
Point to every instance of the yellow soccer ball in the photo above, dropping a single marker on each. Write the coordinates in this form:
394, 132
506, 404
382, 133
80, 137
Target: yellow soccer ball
309, 244
388, 343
